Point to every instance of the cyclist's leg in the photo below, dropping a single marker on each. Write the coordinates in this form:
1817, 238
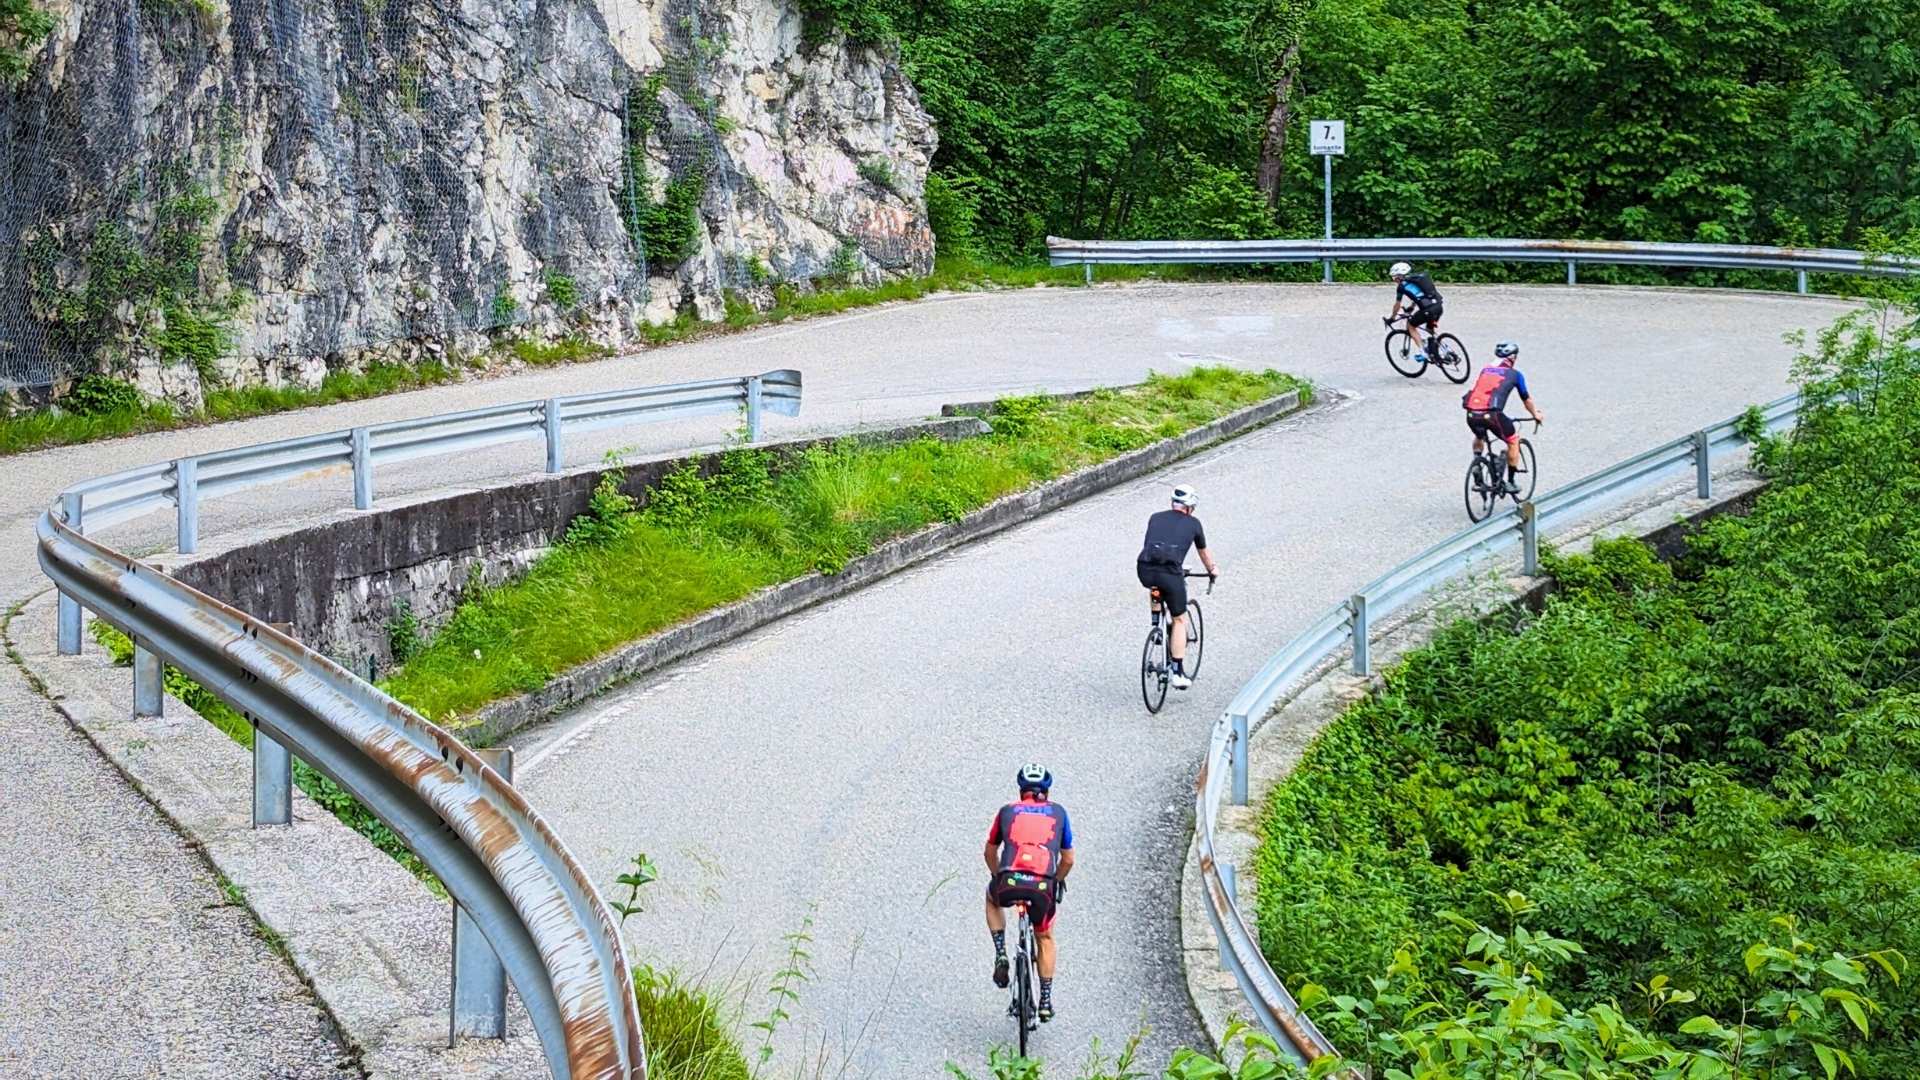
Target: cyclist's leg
1479, 428
997, 929
1042, 911
1174, 592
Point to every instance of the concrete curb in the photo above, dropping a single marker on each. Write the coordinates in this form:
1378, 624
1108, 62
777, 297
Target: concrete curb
1279, 739
369, 938
501, 718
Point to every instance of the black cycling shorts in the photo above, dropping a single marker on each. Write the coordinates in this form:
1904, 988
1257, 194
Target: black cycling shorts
1426, 314
1007, 889
1171, 581
1499, 423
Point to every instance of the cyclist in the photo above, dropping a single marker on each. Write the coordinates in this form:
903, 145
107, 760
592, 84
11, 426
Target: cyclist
1486, 402
1029, 853
1162, 565
1417, 295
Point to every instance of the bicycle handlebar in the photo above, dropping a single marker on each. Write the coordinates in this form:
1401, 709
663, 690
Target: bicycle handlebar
1211, 578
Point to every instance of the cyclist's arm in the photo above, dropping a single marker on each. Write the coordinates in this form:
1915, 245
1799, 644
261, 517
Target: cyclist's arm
1200, 547
991, 853
1066, 865
1520, 384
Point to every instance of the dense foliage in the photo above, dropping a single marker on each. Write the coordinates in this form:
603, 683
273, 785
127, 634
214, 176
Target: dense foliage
1666, 757
1761, 121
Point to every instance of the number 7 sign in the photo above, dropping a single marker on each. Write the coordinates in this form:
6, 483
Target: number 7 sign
1328, 137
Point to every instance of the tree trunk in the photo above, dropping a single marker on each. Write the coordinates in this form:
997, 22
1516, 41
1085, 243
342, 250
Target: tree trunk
1274, 144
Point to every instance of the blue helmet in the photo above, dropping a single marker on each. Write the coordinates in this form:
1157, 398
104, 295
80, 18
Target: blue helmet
1507, 351
1034, 777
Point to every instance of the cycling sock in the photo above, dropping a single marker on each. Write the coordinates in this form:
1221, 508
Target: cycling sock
1046, 990
999, 942
1173, 664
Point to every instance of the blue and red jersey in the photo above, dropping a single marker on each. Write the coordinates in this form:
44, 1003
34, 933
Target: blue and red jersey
1031, 833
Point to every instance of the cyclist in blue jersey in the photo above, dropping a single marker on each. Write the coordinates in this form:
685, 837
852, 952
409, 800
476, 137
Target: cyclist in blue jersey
1415, 293
1486, 402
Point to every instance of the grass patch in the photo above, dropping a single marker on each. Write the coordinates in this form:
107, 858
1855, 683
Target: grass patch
322, 790
688, 1034
710, 536
43, 428
567, 350
1666, 759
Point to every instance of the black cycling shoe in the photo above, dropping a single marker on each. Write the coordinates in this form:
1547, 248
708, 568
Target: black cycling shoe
1000, 972
1046, 1011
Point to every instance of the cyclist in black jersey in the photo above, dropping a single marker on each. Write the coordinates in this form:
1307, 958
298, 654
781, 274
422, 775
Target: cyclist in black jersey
1416, 294
1162, 565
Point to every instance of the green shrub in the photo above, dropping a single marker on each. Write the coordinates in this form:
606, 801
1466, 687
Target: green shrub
562, 292
671, 229
951, 207
100, 395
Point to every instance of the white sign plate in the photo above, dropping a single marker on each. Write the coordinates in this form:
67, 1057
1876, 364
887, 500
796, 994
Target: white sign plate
1329, 136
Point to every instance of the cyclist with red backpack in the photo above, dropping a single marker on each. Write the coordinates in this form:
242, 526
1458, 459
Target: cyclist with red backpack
1029, 853
1486, 403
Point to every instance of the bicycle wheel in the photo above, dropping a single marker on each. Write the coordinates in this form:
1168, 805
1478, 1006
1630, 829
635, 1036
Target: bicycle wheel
1153, 670
1452, 358
1479, 490
1023, 1005
1524, 480
1400, 355
1195, 638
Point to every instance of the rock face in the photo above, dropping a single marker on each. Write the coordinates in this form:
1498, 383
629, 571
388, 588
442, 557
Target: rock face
265, 190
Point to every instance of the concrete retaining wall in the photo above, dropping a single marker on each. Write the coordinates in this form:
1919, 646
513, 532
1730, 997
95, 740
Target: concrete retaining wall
339, 584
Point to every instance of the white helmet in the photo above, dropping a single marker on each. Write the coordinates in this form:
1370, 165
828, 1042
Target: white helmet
1185, 496
1399, 270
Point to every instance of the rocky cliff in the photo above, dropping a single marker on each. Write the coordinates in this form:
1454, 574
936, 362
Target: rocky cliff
262, 190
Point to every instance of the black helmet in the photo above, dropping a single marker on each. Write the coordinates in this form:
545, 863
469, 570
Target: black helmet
1506, 350
1034, 777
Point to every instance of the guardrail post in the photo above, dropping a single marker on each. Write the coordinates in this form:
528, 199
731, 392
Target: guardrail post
753, 408
149, 686
186, 502
68, 634
362, 469
1088, 267
1703, 464
479, 1008
1802, 282
1242, 750
1573, 276
1230, 883
1357, 620
1529, 539
272, 781
552, 416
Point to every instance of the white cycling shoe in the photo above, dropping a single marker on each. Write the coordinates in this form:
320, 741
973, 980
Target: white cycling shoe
1178, 680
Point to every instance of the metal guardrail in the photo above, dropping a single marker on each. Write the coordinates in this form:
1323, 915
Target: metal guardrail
1088, 253
184, 482
511, 878
1347, 625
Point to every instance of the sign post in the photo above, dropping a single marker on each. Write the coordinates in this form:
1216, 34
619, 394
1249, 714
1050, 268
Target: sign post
1327, 138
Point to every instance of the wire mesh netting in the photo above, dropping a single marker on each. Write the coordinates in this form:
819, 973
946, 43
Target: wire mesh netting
204, 190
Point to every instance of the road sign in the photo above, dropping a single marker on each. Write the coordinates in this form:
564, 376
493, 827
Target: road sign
1328, 136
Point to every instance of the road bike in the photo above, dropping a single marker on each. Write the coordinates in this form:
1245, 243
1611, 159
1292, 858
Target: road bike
1154, 668
1443, 350
1486, 477
1023, 1008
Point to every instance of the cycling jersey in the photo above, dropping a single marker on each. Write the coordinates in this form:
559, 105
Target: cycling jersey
1419, 289
1491, 389
1031, 833
1169, 534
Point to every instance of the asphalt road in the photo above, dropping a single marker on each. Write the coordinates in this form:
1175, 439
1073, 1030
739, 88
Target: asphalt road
837, 772
846, 762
